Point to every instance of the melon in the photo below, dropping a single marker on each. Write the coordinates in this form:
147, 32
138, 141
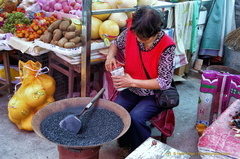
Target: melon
130, 14
126, 3
101, 6
77, 23
119, 18
95, 28
113, 3
146, 2
110, 29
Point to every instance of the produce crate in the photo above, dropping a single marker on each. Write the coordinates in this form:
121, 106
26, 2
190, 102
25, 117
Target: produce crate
61, 80
43, 58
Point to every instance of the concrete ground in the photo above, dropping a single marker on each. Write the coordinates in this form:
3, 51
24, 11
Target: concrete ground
21, 144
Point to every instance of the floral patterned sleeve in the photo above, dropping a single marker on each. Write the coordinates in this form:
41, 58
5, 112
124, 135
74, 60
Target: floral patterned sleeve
120, 41
166, 67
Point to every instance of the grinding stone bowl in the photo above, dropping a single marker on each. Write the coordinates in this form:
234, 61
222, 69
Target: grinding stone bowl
64, 104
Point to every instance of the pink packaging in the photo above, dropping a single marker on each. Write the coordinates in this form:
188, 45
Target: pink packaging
231, 91
217, 92
207, 96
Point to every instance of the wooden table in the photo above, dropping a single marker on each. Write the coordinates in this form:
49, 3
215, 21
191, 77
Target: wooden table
7, 85
155, 149
73, 71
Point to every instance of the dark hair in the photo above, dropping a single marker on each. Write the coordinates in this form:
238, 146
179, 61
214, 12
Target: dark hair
146, 22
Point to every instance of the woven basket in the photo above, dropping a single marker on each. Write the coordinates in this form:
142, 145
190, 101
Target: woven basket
223, 69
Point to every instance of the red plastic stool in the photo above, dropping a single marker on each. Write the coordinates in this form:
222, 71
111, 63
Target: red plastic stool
165, 123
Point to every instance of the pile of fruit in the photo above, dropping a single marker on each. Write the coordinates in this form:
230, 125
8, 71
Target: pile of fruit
37, 27
66, 6
104, 26
21, 26
12, 19
62, 33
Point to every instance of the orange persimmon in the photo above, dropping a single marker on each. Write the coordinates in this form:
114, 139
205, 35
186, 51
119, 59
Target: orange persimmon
31, 36
35, 27
20, 35
39, 32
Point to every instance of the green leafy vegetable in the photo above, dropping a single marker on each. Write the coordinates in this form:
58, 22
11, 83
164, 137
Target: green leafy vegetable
9, 25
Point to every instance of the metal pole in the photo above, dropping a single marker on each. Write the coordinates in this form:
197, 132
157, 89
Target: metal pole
86, 49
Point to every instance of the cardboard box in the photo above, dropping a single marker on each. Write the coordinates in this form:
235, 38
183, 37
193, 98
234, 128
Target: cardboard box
180, 71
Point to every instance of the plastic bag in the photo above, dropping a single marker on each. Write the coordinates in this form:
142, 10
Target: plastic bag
36, 91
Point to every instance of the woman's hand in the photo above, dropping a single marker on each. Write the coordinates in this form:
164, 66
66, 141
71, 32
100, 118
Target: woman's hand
122, 81
110, 63
127, 81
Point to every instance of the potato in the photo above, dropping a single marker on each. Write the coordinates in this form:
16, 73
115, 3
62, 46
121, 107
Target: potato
67, 19
69, 45
50, 29
54, 42
62, 41
57, 34
55, 25
78, 32
75, 40
48, 37
70, 35
42, 37
78, 44
64, 32
45, 32
64, 25
71, 28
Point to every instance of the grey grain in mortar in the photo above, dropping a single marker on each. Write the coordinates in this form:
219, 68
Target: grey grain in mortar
99, 126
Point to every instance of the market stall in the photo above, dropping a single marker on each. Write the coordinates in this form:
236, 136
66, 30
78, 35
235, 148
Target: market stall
79, 62
36, 19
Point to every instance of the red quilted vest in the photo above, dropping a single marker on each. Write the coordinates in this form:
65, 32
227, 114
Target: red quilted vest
133, 64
